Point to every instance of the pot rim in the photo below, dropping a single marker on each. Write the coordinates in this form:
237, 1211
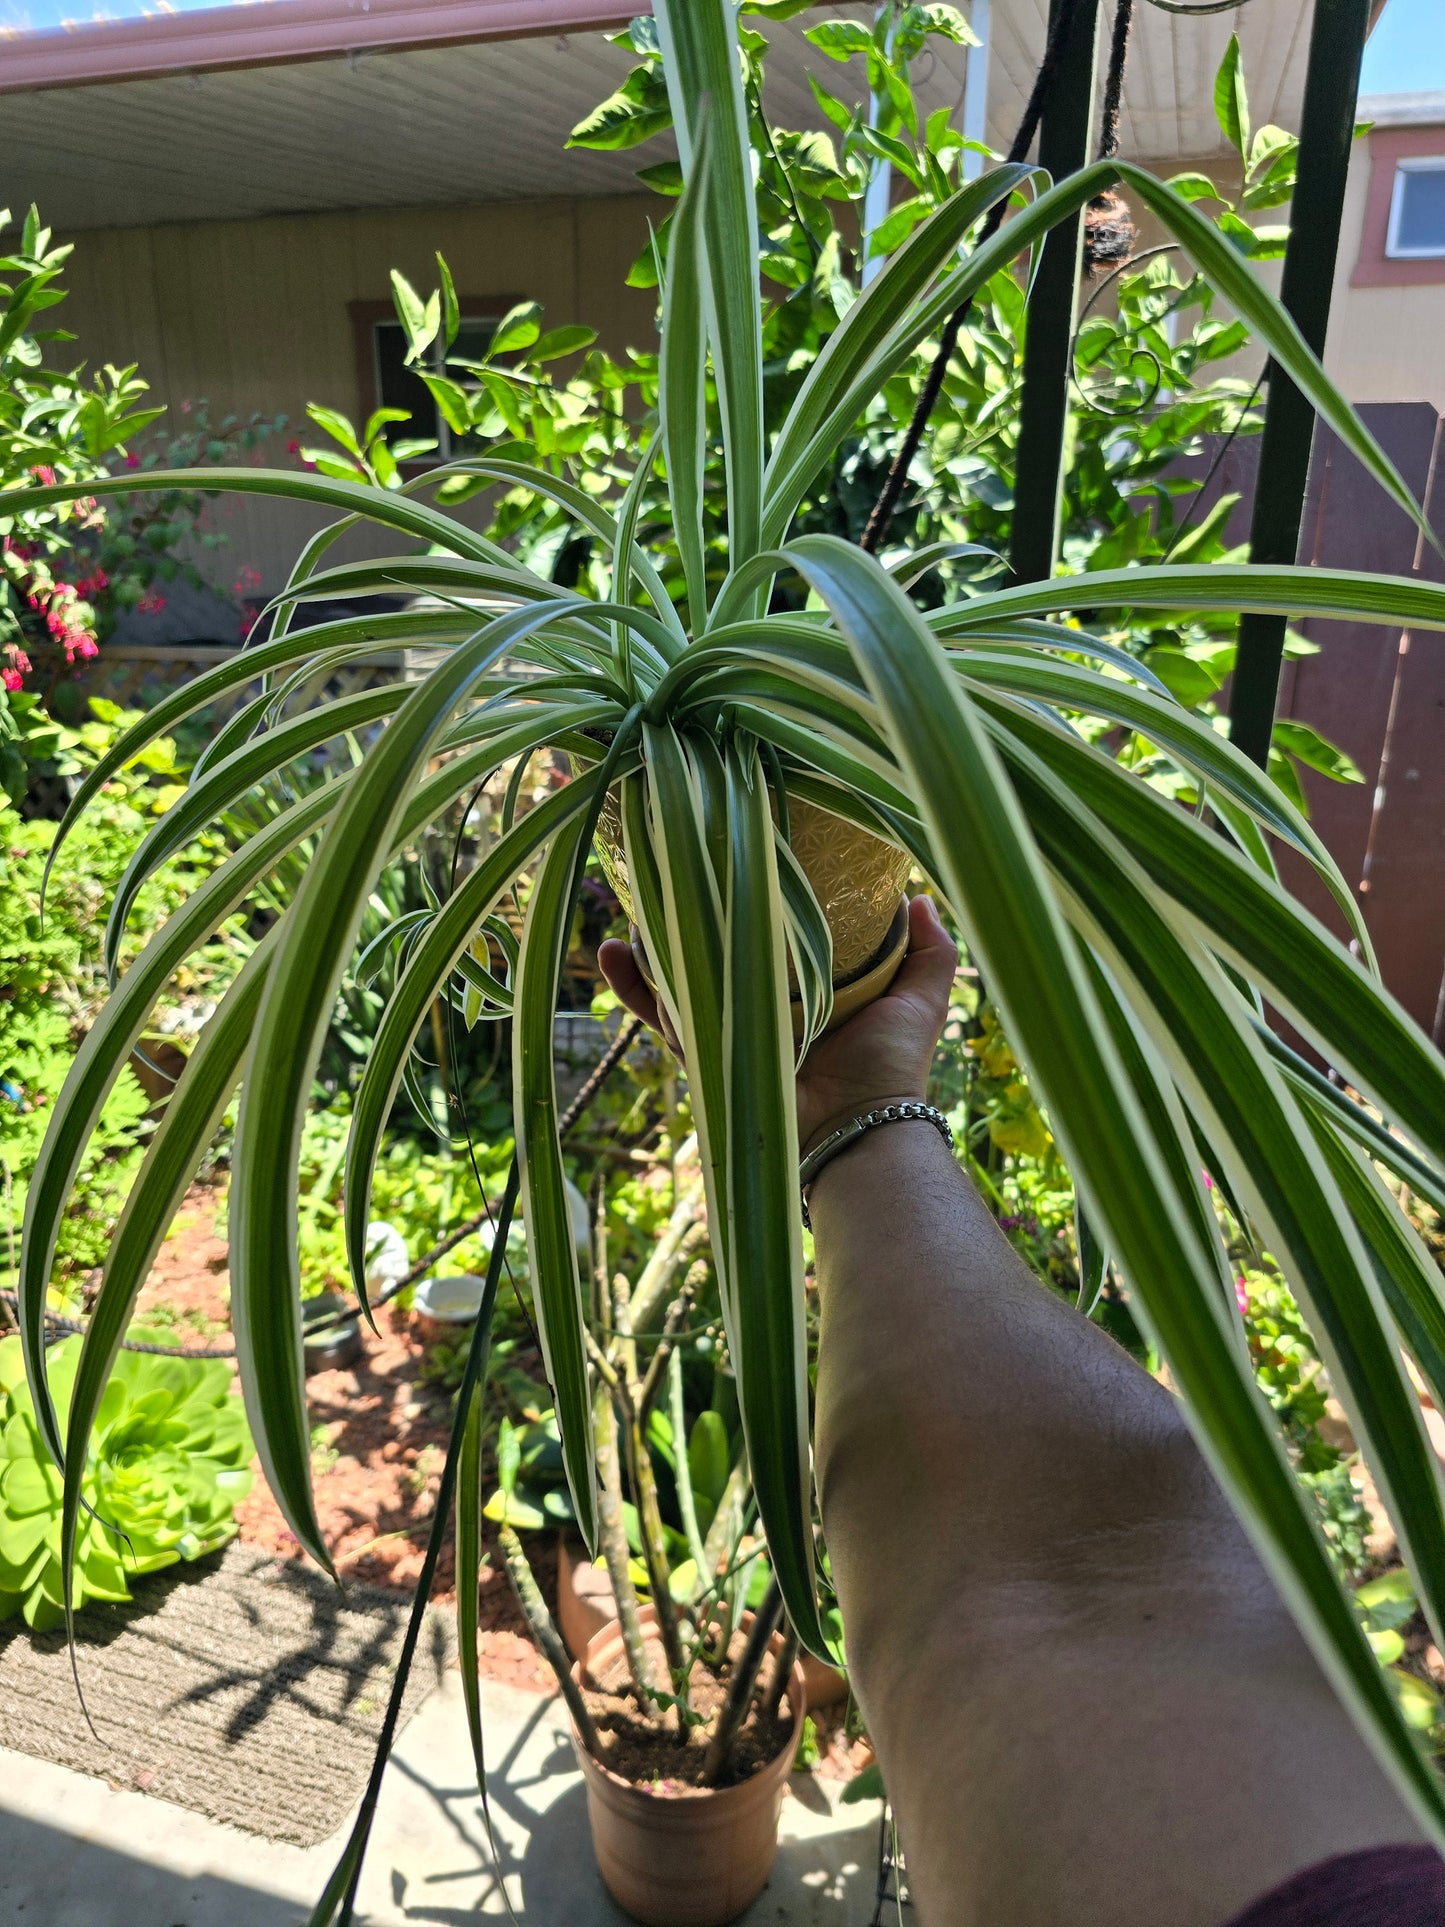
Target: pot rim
778, 1767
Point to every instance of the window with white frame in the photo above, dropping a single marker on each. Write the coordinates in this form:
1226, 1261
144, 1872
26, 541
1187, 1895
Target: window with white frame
1417, 210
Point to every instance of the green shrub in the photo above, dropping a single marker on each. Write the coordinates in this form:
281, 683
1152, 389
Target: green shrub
169, 1459
52, 981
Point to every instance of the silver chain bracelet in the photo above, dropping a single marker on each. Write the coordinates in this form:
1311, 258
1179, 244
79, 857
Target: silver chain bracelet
845, 1134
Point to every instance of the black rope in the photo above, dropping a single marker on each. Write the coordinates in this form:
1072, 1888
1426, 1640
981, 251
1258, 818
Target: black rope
1213, 469
1114, 82
887, 503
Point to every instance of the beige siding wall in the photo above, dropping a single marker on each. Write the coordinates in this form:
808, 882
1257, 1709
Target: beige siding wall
1385, 344
252, 315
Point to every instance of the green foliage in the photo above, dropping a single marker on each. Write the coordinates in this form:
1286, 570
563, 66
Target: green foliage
69, 570
1389, 1609
1288, 1365
168, 1461
54, 984
1127, 944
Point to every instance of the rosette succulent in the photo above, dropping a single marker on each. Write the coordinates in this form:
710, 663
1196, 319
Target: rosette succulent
168, 1459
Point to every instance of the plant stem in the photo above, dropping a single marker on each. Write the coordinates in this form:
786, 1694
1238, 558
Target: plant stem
613, 1537
676, 1312
745, 1678
667, 1254
654, 1552
623, 1346
471, 1378
548, 1639
783, 1665
686, 1503
719, 1550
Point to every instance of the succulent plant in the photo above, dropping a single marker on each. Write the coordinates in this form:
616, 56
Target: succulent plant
169, 1458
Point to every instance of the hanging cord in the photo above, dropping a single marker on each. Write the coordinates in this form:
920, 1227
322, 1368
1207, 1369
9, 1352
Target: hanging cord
1226, 443
1109, 230
1023, 140
1114, 82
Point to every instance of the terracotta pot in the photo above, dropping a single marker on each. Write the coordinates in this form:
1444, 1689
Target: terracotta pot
857, 878
693, 1859
586, 1607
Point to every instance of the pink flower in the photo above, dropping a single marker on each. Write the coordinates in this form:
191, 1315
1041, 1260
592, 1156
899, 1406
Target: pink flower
293, 448
85, 646
11, 678
1241, 1297
132, 461
152, 604
44, 473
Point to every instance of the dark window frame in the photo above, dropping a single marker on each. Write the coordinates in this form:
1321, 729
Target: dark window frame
365, 316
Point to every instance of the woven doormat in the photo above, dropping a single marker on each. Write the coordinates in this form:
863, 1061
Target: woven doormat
247, 1688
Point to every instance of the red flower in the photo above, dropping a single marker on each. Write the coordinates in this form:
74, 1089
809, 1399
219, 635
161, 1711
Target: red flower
293, 448
132, 461
11, 678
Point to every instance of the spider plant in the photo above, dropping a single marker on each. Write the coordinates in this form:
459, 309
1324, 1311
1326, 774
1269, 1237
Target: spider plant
1134, 949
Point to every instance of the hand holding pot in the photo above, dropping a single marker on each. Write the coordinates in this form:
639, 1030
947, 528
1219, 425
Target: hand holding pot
879, 1056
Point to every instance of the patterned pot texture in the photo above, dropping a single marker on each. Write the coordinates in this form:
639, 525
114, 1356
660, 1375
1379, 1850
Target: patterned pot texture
857, 878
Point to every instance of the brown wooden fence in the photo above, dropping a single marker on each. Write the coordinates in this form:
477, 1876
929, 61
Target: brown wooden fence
1380, 694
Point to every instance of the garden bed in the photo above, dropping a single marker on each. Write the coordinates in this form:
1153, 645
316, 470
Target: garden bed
379, 1436
378, 1440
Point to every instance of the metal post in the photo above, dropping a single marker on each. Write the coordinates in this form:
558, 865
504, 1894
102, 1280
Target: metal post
1064, 139
1327, 124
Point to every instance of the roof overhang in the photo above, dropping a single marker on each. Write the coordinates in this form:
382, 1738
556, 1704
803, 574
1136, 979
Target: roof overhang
1403, 110
268, 33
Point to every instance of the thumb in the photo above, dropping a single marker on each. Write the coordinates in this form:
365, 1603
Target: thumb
927, 971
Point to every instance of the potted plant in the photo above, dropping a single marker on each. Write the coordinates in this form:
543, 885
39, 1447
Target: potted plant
1130, 946
684, 1729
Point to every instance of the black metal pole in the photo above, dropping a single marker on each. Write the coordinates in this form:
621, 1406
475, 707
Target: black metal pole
1327, 125
1064, 139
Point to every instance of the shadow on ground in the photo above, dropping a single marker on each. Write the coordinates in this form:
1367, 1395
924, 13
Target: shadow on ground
825, 1878
48, 1878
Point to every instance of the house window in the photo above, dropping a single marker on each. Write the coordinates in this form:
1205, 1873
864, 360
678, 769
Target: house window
383, 379
1417, 209
400, 386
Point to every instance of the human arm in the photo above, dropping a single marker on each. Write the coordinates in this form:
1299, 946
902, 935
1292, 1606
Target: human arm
1089, 1705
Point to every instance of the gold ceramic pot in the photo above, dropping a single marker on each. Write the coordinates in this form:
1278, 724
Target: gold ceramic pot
857, 878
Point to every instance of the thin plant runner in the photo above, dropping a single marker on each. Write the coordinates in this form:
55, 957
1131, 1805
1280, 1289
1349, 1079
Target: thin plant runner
1129, 946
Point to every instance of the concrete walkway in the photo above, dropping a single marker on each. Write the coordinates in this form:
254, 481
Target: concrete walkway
75, 1853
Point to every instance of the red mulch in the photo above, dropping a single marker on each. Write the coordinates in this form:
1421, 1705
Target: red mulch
376, 1477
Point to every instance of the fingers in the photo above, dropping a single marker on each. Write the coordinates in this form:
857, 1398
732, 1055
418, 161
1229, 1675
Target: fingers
619, 967
927, 971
